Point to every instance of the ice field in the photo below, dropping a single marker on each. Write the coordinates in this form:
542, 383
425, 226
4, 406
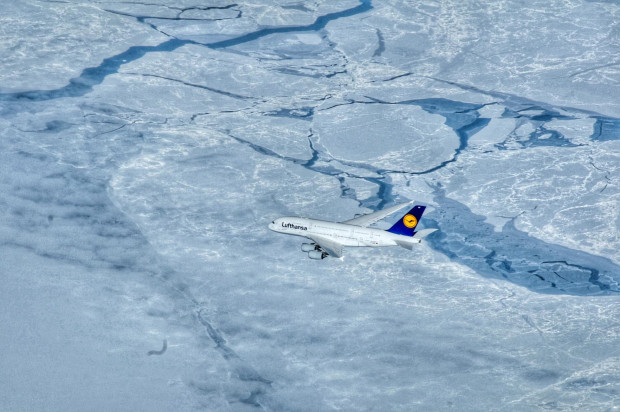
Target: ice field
145, 147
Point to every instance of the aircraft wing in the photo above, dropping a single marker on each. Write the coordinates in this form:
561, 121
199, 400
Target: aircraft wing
369, 219
332, 247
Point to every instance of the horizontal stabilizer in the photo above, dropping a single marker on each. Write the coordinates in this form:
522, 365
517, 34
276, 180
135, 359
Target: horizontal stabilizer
423, 233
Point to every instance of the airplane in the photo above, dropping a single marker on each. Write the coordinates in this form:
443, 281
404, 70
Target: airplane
328, 238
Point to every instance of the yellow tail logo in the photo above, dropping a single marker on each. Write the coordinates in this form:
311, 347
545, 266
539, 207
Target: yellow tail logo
410, 221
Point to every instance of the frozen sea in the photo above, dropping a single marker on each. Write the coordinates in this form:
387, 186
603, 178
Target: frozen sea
145, 146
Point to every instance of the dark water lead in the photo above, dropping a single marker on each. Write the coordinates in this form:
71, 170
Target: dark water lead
92, 76
514, 255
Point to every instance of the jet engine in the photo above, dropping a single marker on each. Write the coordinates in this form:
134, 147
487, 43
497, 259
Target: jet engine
307, 247
317, 254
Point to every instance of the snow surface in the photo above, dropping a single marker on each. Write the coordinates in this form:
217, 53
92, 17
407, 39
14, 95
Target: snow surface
145, 146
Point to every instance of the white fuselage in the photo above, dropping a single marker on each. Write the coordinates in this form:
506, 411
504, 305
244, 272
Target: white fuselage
347, 235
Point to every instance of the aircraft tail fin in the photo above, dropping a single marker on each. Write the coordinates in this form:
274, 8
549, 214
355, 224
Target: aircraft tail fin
406, 225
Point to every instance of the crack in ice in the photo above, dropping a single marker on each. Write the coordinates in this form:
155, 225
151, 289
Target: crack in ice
516, 256
93, 76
